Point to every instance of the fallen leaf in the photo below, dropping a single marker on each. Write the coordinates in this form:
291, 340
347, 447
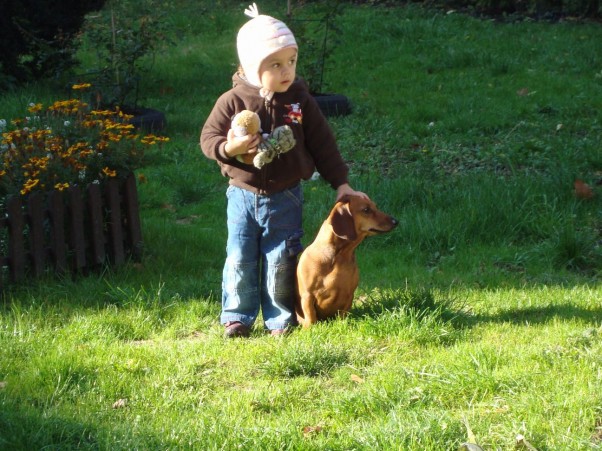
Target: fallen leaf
597, 435
187, 221
522, 443
120, 404
470, 447
166, 90
355, 378
307, 430
583, 190
523, 92
469, 434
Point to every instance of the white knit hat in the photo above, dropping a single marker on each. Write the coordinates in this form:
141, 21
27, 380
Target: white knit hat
259, 38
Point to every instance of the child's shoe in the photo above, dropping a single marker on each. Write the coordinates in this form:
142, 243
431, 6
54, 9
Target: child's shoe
236, 329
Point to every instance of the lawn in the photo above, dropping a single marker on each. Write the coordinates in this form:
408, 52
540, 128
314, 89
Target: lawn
479, 319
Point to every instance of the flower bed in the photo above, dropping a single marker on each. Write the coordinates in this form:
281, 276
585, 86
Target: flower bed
68, 144
67, 190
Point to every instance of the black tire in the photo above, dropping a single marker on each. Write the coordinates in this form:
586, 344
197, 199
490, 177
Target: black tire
333, 104
148, 119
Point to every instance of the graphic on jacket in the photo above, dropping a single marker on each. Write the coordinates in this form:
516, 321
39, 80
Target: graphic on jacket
294, 115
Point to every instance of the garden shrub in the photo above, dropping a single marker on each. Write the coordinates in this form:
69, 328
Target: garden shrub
538, 9
40, 34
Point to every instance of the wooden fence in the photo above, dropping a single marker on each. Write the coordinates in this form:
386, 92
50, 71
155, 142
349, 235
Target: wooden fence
76, 230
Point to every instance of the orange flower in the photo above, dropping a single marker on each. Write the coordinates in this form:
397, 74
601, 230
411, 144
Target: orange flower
34, 108
109, 172
80, 86
153, 139
29, 185
61, 186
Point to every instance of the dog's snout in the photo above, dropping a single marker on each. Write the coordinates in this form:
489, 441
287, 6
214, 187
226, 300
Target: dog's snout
394, 222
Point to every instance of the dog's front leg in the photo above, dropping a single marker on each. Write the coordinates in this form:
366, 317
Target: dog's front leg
308, 306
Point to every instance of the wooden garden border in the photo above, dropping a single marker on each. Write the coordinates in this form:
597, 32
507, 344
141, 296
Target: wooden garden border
76, 230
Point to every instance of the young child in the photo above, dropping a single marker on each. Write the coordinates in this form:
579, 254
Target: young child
265, 205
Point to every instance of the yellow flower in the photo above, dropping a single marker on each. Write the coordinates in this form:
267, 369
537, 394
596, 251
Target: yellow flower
29, 185
109, 172
105, 113
153, 139
61, 186
125, 116
81, 86
34, 108
115, 137
67, 107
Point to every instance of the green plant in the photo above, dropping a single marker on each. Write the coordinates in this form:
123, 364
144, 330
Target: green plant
317, 38
308, 361
66, 144
576, 248
38, 37
124, 37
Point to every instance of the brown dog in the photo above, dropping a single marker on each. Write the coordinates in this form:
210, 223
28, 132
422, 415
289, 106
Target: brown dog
327, 274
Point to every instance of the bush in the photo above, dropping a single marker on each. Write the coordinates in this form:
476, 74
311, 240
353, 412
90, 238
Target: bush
123, 37
542, 9
539, 9
40, 33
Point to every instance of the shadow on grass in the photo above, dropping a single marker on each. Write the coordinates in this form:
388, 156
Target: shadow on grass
432, 309
538, 315
418, 304
26, 428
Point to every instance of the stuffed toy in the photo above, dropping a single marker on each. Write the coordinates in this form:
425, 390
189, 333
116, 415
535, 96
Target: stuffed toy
246, 123
281, 140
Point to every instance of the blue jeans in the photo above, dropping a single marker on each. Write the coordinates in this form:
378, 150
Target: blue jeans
264, 239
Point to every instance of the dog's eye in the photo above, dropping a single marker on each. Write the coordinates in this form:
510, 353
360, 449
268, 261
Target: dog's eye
366, 210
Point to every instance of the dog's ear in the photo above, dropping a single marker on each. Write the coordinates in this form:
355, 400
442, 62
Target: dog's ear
342, 221
345, 199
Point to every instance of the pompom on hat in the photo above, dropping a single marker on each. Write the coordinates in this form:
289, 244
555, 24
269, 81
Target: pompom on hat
259, 38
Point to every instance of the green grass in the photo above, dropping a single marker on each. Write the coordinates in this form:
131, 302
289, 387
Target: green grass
482, 310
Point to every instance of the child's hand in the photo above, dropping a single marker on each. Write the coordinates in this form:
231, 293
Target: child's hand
345, 189
242, 145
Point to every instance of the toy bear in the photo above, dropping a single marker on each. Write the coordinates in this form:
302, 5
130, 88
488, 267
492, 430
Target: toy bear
281, 140
246, 123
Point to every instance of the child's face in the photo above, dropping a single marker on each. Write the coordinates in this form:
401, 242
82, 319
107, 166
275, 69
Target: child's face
277, 71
